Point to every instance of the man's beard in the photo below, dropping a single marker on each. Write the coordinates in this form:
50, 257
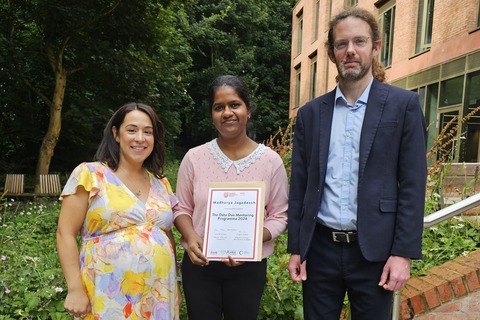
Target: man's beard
352, 74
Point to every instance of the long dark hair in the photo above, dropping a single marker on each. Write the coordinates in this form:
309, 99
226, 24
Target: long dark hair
109, 150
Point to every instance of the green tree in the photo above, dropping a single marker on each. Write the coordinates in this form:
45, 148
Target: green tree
77, 61
250, 39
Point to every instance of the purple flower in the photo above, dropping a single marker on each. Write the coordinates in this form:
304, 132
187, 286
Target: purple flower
4, 258
7, 291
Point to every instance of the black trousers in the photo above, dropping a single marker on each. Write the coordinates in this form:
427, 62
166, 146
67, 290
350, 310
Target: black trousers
335, 268
216, 289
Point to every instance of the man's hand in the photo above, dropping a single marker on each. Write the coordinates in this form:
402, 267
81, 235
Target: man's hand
395, 273
298, 271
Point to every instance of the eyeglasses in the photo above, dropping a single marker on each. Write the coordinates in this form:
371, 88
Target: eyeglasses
358, 42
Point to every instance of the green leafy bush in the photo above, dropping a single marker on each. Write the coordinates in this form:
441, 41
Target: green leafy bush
31, 280
32, 284
282, 298
446, 241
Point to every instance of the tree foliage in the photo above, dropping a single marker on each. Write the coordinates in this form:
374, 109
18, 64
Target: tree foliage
250, 39
109, 52
86, 58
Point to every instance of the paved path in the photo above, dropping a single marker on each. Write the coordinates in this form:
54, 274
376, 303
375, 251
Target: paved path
465, 308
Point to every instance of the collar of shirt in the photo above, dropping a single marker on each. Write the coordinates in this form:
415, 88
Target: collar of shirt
340, 99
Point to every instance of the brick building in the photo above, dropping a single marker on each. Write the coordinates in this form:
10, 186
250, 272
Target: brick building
429, 46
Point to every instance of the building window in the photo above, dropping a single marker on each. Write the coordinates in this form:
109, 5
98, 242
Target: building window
388, 25
478, 16
298, 84
351, 3
474, 91
299, 32
451, 92
449, 139
313, 76
316, 16
429, 100
424, 25
472, 141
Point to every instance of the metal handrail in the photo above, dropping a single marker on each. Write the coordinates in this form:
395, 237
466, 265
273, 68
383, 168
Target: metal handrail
433, 219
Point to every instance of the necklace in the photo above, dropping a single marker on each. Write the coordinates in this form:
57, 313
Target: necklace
138, 191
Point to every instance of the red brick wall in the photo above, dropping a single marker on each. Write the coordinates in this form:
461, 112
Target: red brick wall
442, 284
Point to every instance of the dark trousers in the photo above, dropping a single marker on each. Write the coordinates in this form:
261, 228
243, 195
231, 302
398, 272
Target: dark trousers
335, 268
216, 289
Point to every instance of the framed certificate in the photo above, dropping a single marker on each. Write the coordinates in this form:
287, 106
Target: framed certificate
234, 221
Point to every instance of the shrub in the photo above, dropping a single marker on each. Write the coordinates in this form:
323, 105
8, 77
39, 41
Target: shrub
31, 280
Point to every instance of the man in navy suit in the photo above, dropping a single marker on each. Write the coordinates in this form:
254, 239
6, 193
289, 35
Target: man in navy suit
357, 189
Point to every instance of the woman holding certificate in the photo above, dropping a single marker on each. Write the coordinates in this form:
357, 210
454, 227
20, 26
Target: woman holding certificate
227, 286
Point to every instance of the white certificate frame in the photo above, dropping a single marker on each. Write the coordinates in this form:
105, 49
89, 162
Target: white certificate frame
234, 221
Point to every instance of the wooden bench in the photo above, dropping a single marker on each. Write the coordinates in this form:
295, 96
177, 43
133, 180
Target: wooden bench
49, 185
14, 184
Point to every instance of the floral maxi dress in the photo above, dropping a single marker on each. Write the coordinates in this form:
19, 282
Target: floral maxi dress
127, 261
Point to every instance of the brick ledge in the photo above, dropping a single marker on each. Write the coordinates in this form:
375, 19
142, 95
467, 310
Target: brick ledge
441, 284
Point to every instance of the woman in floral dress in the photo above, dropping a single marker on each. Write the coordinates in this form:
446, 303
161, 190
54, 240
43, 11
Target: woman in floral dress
122, 208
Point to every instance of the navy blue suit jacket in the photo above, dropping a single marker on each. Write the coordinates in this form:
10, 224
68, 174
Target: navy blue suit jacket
392, 173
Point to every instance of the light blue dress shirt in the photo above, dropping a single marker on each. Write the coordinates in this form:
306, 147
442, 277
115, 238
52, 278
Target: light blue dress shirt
338, 208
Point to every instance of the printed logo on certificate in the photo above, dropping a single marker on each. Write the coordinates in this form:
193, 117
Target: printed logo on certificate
234, 221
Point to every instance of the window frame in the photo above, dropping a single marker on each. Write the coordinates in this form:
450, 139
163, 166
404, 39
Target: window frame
478, 15
313, 76
299, 32
298, 85
426, 11
389, 7
455, 87
316, 17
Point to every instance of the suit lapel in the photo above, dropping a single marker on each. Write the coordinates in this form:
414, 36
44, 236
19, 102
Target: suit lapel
325, 128
373, 114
